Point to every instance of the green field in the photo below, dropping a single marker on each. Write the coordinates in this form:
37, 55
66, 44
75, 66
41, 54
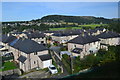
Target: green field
80, 27
54, 29
8, 66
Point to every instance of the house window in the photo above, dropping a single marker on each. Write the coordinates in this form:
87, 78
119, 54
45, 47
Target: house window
90, 51
35, 53
42, 41
34, 62
74, 45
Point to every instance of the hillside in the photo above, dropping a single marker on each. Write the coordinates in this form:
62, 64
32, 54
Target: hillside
53, 22
70, 19
75, 19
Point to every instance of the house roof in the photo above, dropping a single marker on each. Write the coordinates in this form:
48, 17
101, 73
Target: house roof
45, 57
68, 32
8, 39
22, 59
108, 34
77, 50
84, 39
100, 29
28, 46
94, 30
35, 35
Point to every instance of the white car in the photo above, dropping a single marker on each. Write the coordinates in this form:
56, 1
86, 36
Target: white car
53, 69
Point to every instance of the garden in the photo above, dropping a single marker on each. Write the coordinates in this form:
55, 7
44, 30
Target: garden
7, 63
8, 66
102, 57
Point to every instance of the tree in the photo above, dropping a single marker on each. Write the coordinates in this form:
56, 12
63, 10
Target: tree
115, 26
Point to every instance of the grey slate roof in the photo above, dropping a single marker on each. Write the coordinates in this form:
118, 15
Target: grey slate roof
22, 59
84, 39
108, 34
45, 57
36, 35
8, 39
68, 32
94, 30
28, 46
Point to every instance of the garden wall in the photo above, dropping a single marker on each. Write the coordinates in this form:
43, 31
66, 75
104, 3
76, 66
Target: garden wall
9, 72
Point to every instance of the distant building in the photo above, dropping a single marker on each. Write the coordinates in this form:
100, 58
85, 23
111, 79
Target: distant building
65, 36
109, 38
38, 37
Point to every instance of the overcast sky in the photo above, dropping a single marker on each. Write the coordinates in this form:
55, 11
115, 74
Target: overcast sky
19, 11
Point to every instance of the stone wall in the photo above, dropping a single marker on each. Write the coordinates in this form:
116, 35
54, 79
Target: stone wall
9, 72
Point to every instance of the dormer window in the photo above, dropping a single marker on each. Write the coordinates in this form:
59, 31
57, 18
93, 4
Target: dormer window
74, 45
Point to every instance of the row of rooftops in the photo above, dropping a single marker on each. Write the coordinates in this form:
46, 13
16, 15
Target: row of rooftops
77, 32
86, 38
38, 34
83, 38
108, 34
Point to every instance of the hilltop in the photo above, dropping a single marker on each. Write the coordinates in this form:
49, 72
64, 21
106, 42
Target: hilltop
70, 19
74, 19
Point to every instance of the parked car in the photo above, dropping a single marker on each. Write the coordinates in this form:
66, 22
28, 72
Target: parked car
53, 69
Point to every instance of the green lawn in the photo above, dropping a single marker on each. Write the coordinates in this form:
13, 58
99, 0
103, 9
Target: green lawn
8, 66
80, 27
54, 29
93, 25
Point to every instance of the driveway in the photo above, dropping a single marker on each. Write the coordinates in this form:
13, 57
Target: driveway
36, 74
58, 62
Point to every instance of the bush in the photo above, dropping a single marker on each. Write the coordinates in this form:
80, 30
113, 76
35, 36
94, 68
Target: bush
7, 58
68, 66
67, 62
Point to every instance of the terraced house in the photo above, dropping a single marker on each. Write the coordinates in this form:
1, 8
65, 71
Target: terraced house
39, 37
109, 38
65, 36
